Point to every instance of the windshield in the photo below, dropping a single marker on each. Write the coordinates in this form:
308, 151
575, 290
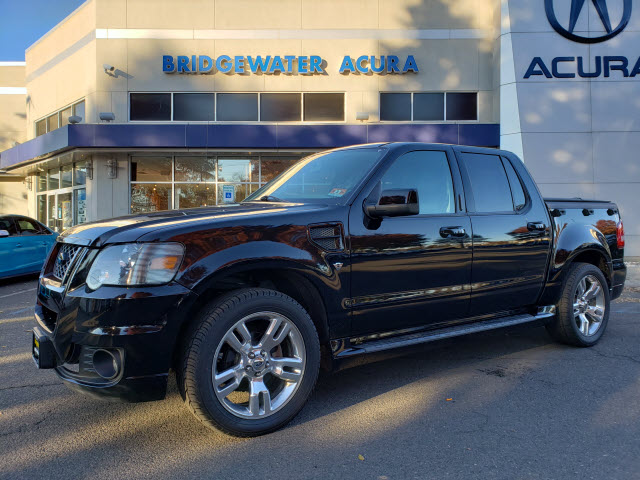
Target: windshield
325, 177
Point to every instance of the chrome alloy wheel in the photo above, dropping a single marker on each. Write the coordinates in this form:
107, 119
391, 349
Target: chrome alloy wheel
589, 305
258, 365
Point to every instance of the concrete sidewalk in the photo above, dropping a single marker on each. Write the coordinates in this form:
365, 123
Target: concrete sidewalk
633, 272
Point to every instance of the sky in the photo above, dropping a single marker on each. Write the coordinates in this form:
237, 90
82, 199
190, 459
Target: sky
22, 22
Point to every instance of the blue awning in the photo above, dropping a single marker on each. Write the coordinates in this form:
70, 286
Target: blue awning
252, 137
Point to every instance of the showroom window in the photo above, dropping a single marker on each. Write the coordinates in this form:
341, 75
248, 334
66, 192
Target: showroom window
429, 106
61, 195
187, 181
60, 118
237, 107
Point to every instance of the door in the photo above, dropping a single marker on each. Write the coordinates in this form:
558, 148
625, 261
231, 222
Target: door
415, 270
12, 253
36, 242
511, 235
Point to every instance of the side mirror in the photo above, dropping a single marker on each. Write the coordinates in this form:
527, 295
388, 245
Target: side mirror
395, 203
4, 233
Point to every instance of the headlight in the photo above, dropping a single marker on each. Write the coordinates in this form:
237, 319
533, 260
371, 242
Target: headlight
135, 264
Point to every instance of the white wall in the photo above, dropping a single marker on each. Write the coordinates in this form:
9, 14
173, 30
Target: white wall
578, 136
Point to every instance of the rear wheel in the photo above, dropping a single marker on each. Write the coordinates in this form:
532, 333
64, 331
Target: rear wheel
583, 310
252, 362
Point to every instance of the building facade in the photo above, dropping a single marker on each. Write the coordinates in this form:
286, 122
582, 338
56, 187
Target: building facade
147, 105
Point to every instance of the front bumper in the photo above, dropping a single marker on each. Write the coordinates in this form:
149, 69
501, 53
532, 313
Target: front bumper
135, 329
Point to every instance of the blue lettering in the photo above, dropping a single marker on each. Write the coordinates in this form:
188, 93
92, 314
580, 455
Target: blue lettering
258, 64
595, 74
205, 64
167, 64
194, 65
289, 61
554, 67
623, 68
183, 64
238, 64
410, 65
375, 69
359, 66
392, 64
303, 64
542, 68
347, 65
636, 69
276, 65
316, 64
223, 64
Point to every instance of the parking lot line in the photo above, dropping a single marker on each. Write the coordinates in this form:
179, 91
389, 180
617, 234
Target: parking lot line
18, 292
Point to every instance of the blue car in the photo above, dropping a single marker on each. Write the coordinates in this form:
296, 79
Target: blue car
24, 245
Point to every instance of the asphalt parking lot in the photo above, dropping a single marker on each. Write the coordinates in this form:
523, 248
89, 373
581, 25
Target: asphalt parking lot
508, 405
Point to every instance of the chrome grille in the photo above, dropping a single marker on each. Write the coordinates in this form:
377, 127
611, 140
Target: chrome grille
64, 258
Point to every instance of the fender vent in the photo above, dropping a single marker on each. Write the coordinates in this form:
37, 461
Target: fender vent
327, 236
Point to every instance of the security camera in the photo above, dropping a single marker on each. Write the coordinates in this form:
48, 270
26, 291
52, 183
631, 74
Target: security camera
108, 68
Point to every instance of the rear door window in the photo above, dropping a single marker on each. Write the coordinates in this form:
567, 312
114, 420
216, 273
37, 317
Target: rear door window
489, 183
28, 227
517, 190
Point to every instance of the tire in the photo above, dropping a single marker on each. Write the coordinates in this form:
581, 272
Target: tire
569, 324
269, 367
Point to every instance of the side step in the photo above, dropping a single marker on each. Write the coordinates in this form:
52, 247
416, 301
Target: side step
433, 335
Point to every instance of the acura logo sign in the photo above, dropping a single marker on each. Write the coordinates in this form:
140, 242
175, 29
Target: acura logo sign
576, 9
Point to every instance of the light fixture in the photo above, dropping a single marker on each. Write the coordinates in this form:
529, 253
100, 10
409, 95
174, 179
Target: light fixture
112, 169
73, 119
107, 116
28, 182
89, 169
362, 116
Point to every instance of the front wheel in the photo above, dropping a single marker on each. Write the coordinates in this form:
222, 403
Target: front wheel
583, 310
251, 363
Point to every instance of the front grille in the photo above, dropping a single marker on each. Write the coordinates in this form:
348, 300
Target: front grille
64, 258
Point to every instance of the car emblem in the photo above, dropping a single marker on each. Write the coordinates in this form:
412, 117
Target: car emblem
576, 9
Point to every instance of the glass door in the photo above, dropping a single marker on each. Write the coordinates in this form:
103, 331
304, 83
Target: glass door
60, 211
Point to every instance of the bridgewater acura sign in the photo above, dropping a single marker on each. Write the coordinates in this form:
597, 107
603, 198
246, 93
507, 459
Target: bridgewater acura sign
286, 64
570, 66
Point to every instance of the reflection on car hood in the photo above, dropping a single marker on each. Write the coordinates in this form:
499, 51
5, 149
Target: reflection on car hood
131, 227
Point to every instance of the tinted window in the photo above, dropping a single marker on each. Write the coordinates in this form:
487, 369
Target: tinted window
8, 225
78, 109
41, 127
280, 107
462, 106
52, 122
64, 116
150, 106
66, 177
428, 106
193, 106
429, 174
28, 227
489, 183
323, 107
395, 106
237, 107
517, 191
151, 169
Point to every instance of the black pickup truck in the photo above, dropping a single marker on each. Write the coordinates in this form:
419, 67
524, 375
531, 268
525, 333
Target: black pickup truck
349, 252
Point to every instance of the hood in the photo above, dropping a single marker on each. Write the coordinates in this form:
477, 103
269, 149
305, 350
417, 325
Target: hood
130, 228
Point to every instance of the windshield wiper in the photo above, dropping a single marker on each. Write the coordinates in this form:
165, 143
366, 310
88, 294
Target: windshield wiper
270, 198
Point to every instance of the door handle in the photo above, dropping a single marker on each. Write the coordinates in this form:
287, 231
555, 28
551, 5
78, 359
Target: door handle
18, 245
448, 232
536, 227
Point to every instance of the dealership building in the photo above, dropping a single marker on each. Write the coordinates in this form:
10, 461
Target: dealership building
130, 106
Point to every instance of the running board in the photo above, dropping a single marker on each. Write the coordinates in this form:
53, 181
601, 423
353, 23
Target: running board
374, 346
